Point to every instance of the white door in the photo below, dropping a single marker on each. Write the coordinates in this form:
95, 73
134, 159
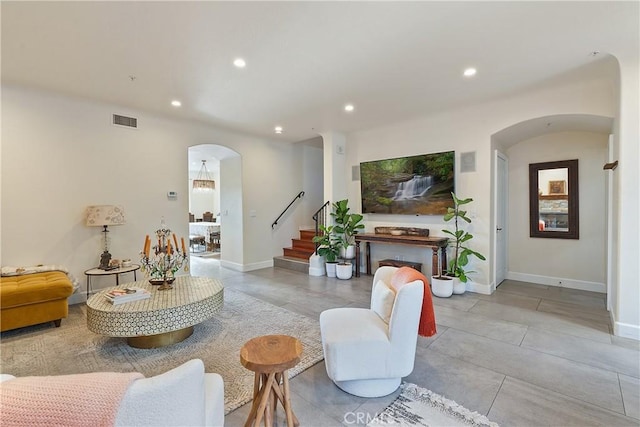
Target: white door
502, 199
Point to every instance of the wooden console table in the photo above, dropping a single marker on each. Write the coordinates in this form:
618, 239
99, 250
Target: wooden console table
433, 242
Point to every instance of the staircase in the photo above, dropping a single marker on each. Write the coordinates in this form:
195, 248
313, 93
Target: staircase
297, 256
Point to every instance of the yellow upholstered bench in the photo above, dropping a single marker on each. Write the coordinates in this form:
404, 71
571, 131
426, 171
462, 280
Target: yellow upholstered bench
35, 298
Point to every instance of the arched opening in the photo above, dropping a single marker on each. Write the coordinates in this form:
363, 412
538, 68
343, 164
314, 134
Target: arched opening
223, 230
579, 264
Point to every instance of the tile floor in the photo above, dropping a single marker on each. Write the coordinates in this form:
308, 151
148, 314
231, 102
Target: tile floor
528, 355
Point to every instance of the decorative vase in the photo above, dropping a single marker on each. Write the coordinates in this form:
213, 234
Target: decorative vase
331, 268
344, 271
348, 253
442, 286
459, 287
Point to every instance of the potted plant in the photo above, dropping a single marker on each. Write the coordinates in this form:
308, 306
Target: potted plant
344, 270
459, 238
329, 248
441, 285
347, 225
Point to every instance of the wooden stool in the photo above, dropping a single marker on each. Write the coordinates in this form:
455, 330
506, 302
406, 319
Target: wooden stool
269, 357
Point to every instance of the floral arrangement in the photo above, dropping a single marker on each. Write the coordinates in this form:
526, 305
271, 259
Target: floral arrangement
164, 259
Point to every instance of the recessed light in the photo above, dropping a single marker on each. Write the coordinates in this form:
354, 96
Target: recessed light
349, 108
176, 103
278, 129
239, 62
469, 72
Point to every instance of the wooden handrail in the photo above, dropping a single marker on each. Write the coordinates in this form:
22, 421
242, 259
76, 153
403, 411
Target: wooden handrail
299, 196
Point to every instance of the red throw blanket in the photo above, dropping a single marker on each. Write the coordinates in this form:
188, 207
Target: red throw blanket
403, 275
65, 400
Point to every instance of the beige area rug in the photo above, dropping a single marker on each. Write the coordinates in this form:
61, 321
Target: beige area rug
72, 348
417, 406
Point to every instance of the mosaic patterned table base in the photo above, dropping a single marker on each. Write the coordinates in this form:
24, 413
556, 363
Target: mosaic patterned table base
160, 340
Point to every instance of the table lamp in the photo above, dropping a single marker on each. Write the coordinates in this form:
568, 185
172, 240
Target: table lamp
104, 216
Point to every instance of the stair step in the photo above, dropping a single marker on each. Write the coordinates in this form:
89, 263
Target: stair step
298, 253
294, 264
303, 244
307, 234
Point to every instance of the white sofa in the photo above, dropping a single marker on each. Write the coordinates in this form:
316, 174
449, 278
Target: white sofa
183, 396
367, 351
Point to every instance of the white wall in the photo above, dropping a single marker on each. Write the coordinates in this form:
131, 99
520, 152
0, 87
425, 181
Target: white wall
626, 197
575, 263
313, 183
464, 130
61, 154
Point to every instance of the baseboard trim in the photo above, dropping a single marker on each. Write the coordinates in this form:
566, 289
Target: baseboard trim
626, 330
479, 288
77, 298
561, 282
246, 267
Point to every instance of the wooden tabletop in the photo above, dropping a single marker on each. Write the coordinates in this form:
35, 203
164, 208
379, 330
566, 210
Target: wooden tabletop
270, 353
404, 239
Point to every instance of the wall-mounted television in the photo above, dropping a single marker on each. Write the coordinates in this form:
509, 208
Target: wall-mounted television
414, 185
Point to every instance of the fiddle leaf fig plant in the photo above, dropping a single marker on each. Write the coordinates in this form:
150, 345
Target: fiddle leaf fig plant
329, 243
459, 237
347, 224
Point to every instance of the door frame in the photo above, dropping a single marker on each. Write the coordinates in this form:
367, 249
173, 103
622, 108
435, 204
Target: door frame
498, 155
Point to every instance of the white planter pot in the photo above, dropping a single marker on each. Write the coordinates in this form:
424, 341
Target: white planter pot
316, 265
348, 253
459, 287
331, 269
344, 271
442, 286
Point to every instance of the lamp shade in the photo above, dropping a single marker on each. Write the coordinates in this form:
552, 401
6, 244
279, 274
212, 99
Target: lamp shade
101, 215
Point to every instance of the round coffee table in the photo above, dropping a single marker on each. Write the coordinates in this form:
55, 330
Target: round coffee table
166, 318
270, 357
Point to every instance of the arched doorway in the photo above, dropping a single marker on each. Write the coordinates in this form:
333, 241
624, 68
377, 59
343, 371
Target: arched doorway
224, 166
551, 261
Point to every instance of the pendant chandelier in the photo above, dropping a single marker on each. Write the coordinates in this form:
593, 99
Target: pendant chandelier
203, 183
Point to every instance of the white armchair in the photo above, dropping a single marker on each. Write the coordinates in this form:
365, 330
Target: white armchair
183, 396
368, 351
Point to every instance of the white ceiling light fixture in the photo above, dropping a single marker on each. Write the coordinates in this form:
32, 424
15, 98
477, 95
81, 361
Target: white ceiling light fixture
176, 103
239, 63
470, 72
203, 183
349, 108
278, 129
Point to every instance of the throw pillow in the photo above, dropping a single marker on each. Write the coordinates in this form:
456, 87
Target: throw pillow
382, 299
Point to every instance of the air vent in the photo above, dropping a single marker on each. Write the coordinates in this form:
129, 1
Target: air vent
130, 122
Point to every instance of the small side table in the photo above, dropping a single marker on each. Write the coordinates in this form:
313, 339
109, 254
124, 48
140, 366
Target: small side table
116, 271
270, 357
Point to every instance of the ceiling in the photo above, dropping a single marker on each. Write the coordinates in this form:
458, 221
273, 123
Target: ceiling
306, 60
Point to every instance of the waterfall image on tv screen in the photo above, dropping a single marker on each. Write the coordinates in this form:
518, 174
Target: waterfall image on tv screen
416, 185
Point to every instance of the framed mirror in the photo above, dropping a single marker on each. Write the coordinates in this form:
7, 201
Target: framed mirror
553, 200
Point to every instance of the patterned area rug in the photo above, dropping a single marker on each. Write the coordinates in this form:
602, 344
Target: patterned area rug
417, 406
72, 348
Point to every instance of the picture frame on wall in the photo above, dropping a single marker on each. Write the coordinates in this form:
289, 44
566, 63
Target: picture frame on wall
557, 187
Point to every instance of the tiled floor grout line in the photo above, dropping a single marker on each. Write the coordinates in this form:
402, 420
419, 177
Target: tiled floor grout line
496, 396
539, 302
624, 408
573, 361
524, 336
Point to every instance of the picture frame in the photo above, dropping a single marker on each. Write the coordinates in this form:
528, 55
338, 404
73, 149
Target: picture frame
557, 187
